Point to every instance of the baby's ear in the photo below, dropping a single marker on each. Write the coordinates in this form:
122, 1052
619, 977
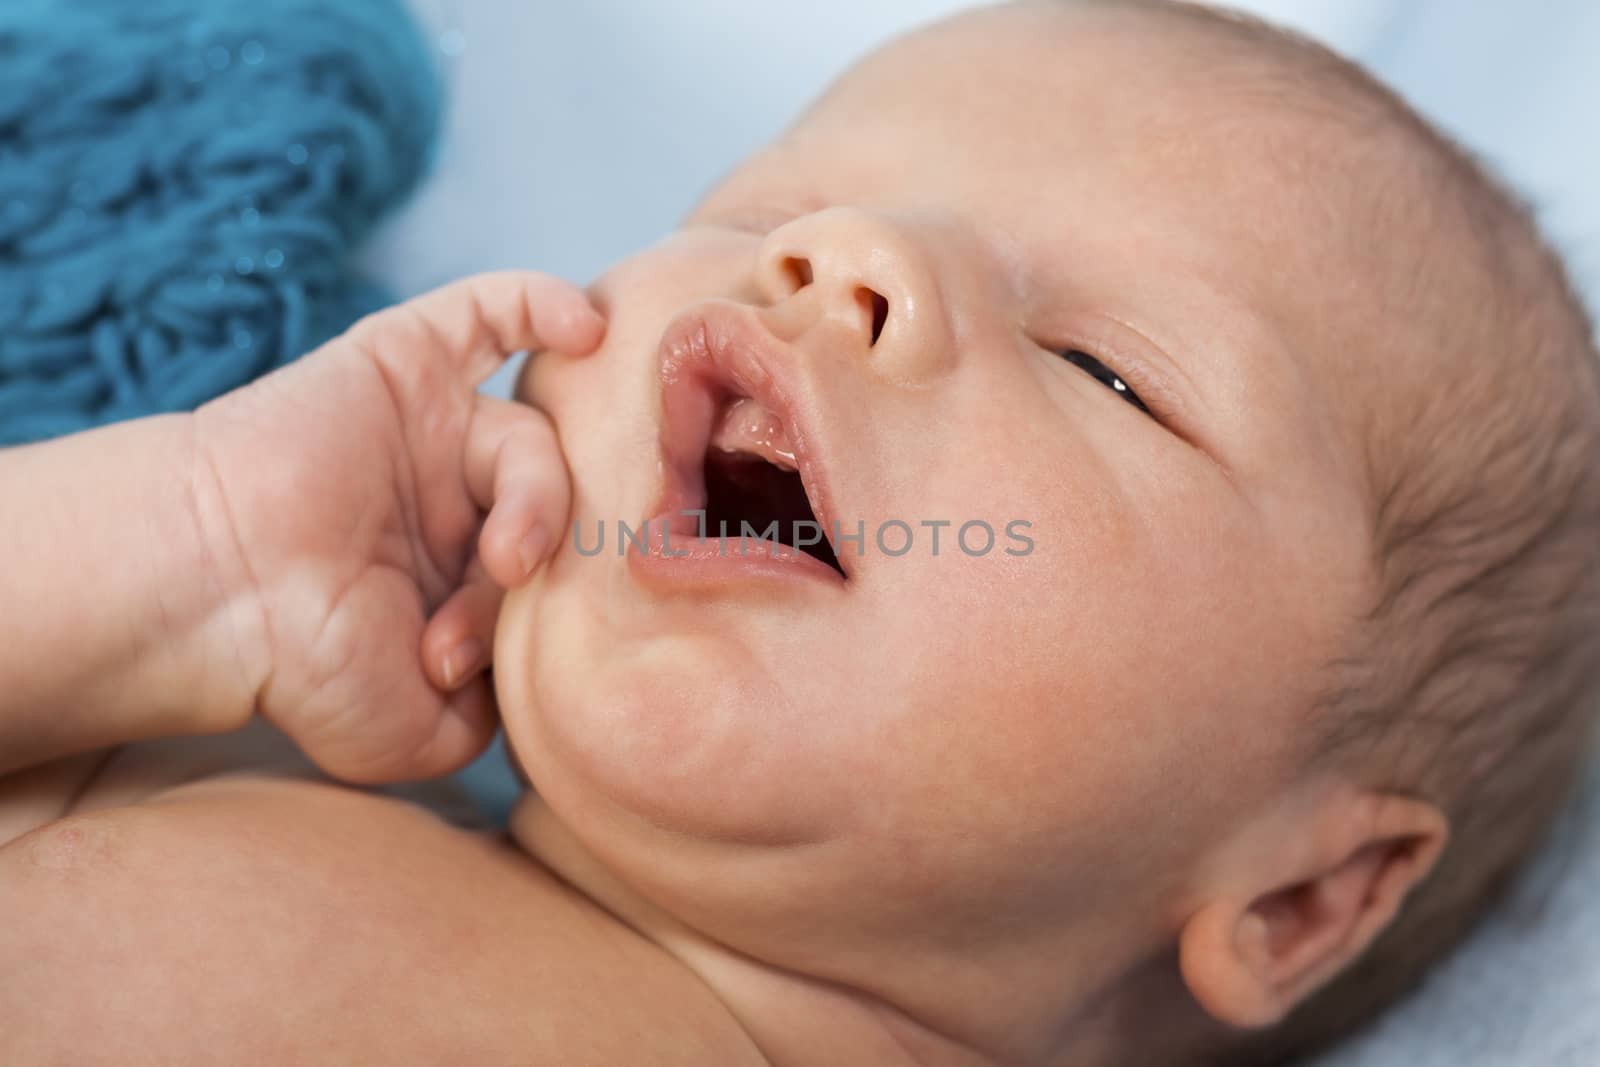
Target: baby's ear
1302, 907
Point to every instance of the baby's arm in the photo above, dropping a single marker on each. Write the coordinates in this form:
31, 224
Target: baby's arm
115, 625
322, 547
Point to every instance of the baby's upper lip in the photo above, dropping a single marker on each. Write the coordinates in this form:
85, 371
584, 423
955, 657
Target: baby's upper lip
709, 353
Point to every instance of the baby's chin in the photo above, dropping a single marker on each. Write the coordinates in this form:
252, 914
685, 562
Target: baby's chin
675, 730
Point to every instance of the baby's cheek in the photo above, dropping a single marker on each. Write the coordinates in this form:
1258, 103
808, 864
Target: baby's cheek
514, 762
513, 673
612, 711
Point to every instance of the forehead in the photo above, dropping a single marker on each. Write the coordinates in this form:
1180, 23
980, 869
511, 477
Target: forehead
1046, 105
1068, 134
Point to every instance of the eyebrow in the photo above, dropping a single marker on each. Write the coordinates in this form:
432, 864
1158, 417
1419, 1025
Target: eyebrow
749, 220
1243, 328
761, 208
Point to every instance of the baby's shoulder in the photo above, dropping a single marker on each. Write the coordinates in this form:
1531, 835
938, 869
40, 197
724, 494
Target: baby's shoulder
248, 917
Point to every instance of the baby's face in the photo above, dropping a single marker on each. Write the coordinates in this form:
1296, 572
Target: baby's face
940, 743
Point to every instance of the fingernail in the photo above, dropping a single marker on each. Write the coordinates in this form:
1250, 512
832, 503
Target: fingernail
461, 661
531, 549
591, 320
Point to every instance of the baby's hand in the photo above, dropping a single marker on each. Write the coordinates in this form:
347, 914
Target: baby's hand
346, 494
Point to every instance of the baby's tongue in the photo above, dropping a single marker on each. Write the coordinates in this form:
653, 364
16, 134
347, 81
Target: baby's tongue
745, 426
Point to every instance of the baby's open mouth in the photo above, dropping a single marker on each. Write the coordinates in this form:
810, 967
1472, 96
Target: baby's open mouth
753, 485
737, 450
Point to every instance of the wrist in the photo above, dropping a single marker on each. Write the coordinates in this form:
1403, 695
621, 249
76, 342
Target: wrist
226, 630
124, 616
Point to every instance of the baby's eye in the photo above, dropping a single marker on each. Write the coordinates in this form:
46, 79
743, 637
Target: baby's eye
1104, 375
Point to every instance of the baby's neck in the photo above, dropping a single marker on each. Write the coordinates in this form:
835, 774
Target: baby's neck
792, 1019
795, 1019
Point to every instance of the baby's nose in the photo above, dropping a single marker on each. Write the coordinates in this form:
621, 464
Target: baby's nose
860, 271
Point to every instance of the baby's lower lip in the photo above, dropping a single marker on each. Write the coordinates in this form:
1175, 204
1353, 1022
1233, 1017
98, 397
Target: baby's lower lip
671, 554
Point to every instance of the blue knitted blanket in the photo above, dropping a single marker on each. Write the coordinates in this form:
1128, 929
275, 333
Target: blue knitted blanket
181, 185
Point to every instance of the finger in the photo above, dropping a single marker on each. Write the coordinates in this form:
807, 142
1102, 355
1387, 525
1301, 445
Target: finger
477, 322
459, 639
388, 723
515, 471
461, 733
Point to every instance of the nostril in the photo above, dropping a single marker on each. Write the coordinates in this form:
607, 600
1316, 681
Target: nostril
798, 270
874, 304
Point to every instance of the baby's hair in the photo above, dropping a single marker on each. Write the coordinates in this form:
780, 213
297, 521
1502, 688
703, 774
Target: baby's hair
1475, 675
1471, 677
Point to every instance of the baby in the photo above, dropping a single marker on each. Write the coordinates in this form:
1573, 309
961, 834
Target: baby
1302, 416
1197, 624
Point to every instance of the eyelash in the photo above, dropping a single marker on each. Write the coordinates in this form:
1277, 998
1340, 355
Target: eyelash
1104, 375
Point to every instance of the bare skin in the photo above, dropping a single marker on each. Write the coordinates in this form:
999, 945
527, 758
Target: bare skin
190, 899
791, 822
218, 900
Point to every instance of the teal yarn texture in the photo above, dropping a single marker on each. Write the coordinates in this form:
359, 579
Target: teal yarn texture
181, 185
